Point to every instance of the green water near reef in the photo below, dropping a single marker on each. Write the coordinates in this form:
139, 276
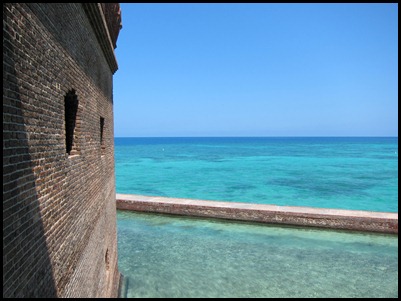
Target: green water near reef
170, 256
347, 173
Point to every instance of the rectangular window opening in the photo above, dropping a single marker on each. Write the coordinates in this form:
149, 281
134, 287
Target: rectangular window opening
102, 145
70, 110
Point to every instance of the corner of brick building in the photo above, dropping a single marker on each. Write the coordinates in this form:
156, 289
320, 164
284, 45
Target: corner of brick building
59, 212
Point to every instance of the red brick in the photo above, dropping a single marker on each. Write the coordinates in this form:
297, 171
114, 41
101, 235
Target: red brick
59, 215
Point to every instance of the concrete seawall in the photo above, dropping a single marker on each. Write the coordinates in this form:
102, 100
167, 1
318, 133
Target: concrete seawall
384, 222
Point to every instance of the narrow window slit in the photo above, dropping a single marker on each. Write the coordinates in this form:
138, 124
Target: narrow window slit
102, 146
70, 108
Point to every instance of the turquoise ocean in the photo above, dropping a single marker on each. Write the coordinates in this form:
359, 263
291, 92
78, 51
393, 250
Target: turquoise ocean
186, 257
328, 172
183, 257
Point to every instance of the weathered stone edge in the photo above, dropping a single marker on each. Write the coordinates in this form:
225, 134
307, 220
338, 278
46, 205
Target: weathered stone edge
96, 17
368, 221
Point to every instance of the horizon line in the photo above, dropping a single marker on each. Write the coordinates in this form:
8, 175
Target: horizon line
255, 136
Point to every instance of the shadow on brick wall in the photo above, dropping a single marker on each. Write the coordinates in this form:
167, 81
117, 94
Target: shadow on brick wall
27, 268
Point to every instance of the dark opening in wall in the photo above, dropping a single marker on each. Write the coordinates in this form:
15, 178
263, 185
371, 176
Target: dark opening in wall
107, 260
71, 108
101, 134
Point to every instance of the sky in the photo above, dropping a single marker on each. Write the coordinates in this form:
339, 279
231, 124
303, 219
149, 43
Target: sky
215, 70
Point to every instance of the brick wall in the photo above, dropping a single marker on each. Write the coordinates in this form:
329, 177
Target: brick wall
59, 220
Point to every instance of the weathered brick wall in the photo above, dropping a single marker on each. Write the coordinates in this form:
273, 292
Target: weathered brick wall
59, 220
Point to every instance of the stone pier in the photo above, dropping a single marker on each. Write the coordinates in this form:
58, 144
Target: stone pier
357, 220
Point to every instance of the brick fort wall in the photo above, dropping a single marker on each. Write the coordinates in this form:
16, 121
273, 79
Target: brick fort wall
59, 214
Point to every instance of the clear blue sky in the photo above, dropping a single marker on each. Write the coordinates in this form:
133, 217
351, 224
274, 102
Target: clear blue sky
257, 70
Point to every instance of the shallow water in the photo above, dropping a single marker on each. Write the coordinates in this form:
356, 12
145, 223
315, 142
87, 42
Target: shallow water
172, 256
345, 173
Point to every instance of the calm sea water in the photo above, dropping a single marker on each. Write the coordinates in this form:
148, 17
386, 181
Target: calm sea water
348, 173
183, 257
